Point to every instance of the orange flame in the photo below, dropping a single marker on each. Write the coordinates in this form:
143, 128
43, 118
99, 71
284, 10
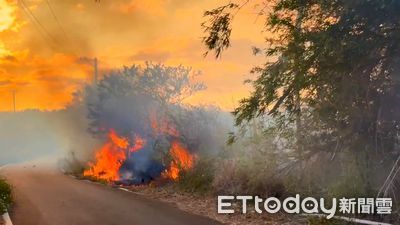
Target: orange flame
162, 127
181, 160
120, 142
111, 156
139, 144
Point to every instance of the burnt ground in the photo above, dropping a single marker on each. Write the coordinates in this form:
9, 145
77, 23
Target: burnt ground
206, 205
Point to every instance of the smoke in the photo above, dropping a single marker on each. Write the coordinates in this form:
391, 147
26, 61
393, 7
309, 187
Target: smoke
42, 135
144, 102
136, 102
200, 129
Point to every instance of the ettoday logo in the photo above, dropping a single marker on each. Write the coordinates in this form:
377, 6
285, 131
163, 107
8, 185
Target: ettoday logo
308, 205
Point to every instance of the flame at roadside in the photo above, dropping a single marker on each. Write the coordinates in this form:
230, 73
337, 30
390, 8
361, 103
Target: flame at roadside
181, 160
110, 157
118, 149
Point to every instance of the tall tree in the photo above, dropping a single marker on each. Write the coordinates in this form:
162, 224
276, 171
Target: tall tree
343, 56
334, 61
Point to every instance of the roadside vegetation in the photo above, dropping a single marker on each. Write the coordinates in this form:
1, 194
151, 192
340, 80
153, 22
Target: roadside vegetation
323, 117
5, 196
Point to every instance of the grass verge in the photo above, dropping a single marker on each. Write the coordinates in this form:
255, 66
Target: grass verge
5, 196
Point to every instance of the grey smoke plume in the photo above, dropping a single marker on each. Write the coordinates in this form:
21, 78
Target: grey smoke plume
42, 135
146, 102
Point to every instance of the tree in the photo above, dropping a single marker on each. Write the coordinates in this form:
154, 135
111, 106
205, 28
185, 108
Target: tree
336, 65
132, 89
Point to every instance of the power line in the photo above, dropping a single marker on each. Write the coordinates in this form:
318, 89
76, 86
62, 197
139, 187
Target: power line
95, 75
56, 18
66, 36
46, 35
14, 97
37, 23
33, 22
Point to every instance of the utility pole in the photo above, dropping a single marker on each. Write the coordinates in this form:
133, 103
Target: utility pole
14, 97
95, 71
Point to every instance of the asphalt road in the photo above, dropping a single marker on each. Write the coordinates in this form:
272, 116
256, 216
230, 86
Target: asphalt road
47, 197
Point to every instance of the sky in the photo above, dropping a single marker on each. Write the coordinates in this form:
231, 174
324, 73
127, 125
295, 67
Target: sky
47, 47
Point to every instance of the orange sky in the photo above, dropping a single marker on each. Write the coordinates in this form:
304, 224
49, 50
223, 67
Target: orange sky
45, 62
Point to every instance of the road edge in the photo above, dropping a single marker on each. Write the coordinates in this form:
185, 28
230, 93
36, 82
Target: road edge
7, 219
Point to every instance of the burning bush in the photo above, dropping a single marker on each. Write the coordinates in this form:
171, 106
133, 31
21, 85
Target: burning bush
113, 158
109, 158
181, 159
146, 130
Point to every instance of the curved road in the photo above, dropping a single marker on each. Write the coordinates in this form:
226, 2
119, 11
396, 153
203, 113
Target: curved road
46, 197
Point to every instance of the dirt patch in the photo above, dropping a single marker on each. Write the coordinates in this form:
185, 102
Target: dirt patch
207, 206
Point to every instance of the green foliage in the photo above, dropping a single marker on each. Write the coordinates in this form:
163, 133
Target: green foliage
331, 76
198, 179
349, 186
352, 181
337, 57
5, 196
218, 28
250, 165
235, 177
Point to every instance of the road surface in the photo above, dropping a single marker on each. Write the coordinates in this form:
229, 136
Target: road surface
47, 197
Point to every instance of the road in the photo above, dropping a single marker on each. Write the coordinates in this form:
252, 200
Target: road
47, 197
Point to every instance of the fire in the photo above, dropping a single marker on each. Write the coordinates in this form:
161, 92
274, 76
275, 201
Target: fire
162, 127
119, 149
181, 160
139, 144
120, 142
111, 156
108, 162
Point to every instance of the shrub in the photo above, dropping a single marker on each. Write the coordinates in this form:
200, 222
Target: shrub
199, 179
5, 196
249, 166
237, 177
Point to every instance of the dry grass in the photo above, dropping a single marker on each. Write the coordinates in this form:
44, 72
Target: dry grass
205, 205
